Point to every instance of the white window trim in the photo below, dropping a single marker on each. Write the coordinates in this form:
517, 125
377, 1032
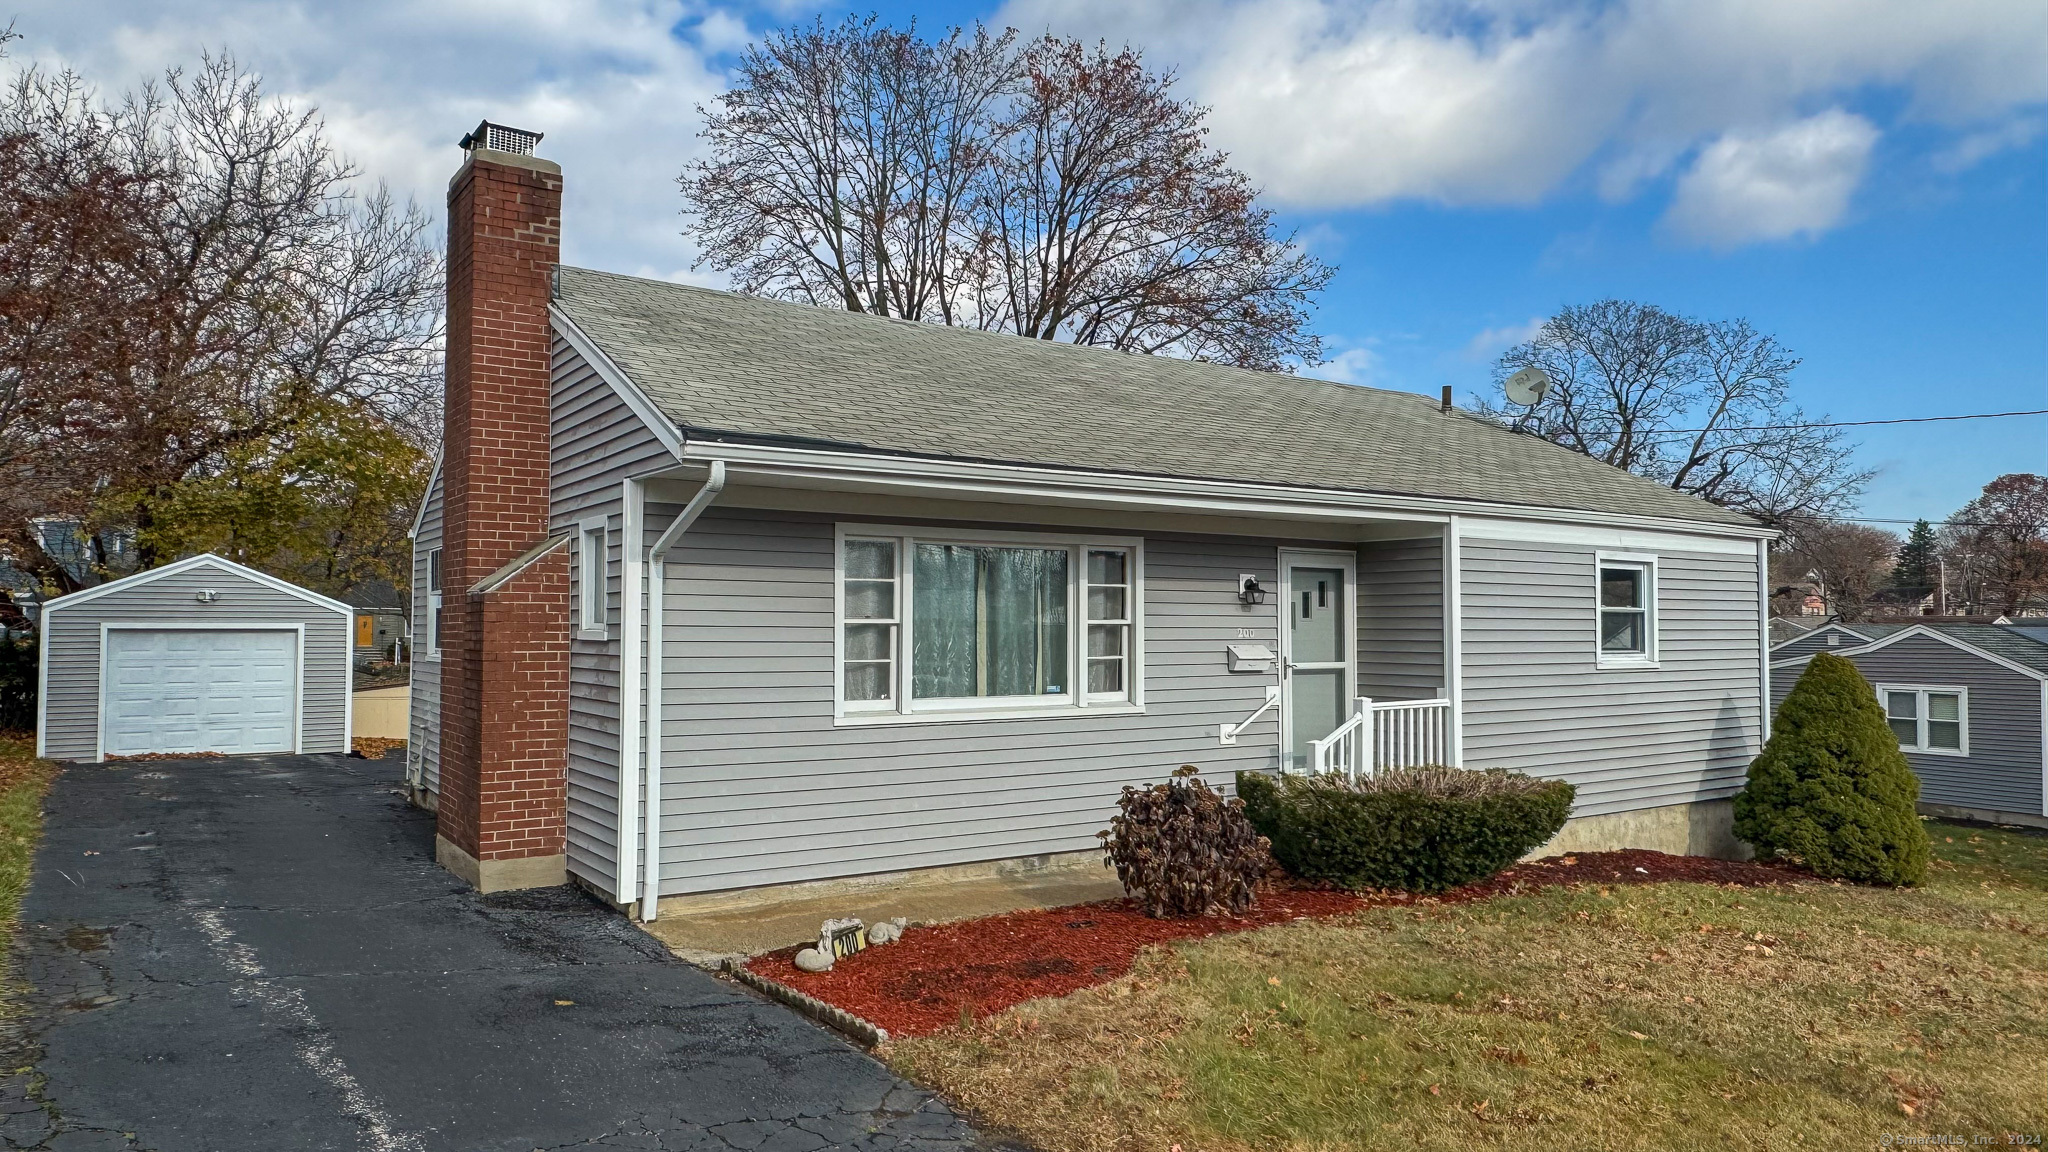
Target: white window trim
1648, 657
593, 625
1962, 695
903, 709
431, 650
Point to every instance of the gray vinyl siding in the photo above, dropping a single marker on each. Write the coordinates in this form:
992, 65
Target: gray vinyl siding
596, 442
1535, 700
2003, 770
424, 720
1817, 641
1401, 619
72, 636
760, 787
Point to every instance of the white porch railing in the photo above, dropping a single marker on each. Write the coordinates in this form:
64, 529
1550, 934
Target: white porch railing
1385, 734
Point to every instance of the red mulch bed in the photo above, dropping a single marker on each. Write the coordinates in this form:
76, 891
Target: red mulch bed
922, 983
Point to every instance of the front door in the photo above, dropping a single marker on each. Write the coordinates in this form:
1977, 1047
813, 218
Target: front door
1316, 639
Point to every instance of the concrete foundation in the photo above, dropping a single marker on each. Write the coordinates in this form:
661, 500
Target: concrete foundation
1983, 815
1702, 828
501, 875
706, 928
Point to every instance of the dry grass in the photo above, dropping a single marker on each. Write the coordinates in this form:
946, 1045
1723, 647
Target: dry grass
23, 780
1666, 1016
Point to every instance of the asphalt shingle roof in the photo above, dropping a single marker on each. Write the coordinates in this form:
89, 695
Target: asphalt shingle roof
2015, 646
731, 367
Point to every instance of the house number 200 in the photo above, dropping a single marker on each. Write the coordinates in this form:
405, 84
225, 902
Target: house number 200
1247, 633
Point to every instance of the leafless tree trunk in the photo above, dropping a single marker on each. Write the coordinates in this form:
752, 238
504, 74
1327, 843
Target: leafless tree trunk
1849, 562
1703, 407
1996, 546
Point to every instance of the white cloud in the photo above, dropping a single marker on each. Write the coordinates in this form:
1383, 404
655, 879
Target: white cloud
609, 83
1794, 180
1479, 102
1491, 342
1353, 365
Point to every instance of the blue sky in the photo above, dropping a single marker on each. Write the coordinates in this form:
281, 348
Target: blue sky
1867, 179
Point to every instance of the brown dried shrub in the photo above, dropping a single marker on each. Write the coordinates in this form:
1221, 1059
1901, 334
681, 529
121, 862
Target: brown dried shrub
1182, 849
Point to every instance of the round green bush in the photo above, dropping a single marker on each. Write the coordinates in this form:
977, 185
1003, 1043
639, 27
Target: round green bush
1419, 830
1831, 789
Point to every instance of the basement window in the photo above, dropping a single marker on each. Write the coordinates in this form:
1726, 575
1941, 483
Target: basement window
937, 624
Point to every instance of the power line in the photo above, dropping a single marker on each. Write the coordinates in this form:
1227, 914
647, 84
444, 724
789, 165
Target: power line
1846, 423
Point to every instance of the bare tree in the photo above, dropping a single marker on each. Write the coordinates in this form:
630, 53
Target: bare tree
1050, 189
1996, 546
245, 282
1848, 563
842, 159
1702, 407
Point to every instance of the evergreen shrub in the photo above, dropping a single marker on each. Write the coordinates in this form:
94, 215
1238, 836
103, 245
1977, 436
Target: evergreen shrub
1417, 829
1831, 789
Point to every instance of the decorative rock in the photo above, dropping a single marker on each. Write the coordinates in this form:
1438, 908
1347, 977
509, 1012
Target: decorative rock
883, 933
812, 960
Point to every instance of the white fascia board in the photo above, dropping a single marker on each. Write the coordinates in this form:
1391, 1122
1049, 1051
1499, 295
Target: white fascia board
433, 478
186, 565
1922, 630
1014, 481
642, 406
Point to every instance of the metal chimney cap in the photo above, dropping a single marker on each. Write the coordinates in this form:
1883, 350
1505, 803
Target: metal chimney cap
501, 138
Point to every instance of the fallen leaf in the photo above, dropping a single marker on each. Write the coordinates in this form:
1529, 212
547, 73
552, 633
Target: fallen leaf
1436, 1090
1638, 1036
1273, 980
565, 1003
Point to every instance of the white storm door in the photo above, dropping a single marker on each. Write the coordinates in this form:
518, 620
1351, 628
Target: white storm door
1317, 638
199, 690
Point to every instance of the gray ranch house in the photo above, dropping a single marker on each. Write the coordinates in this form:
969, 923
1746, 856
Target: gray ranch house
1968, 702
716, 593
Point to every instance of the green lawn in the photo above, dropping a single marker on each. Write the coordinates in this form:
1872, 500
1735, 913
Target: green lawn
23, 780
1666, 1016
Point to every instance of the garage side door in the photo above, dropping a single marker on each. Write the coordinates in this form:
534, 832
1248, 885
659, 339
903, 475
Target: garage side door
200, 690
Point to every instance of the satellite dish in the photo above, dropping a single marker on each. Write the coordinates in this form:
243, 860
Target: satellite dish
1528, 387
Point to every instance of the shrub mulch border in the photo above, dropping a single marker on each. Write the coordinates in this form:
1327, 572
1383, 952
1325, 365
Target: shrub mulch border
936, 975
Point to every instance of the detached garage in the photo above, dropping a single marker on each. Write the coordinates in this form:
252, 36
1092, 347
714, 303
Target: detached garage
203, 655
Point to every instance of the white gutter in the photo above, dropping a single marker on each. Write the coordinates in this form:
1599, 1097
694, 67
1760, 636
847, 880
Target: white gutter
632, 514
657, 567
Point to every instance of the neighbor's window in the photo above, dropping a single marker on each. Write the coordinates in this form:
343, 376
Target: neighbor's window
590, 579
946, 625
433, 645
1627, 611
1928, 719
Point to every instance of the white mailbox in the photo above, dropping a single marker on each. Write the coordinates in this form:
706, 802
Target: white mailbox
1251, 658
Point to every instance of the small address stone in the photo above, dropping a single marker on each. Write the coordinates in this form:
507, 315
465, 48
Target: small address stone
812, 960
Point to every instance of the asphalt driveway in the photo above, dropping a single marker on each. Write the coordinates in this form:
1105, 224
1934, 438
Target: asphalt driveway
261, 954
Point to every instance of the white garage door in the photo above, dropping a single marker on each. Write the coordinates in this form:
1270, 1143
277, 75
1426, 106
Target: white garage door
200, 690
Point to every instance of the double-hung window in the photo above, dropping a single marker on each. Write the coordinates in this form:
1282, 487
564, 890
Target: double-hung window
937, 624
590, 580
1626, 588
1934, 720
433, 645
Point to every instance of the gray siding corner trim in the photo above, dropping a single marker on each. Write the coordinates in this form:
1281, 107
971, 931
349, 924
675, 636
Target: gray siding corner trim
1536, 700
74, 628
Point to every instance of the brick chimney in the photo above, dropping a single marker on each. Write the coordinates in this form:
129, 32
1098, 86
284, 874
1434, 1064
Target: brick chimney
504, 652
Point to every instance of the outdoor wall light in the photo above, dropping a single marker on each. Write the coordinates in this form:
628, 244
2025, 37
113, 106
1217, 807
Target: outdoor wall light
206, 596
1250, 590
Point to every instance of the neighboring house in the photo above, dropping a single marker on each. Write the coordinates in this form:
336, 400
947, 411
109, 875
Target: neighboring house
379, 619
203, 655
1902, 602
1784, 628
1968, 702
714, 592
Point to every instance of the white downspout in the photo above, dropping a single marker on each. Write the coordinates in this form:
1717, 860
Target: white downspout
632, 506
657, 569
